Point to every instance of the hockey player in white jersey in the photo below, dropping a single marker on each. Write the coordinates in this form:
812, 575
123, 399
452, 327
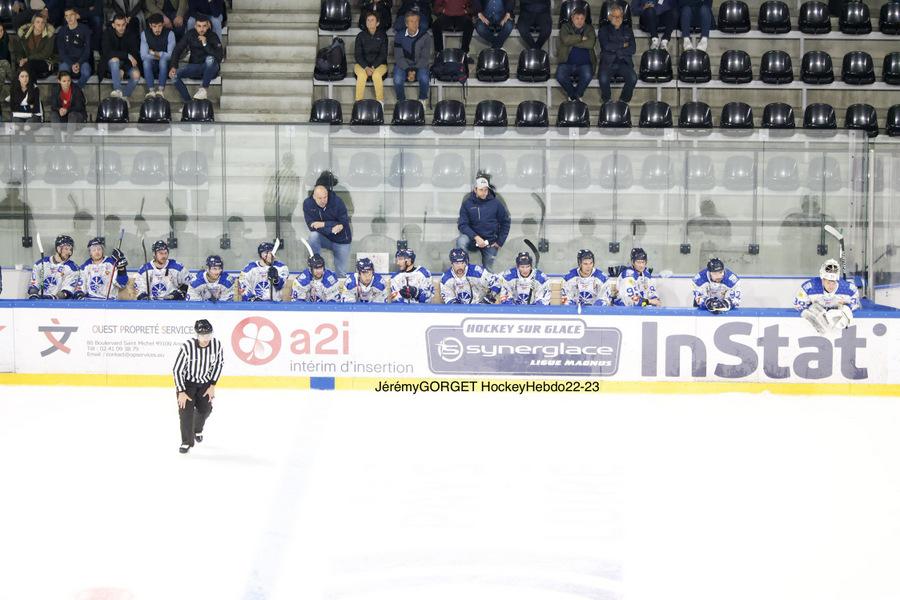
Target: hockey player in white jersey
827, 301
263, 279
716, 288
365, 286
585, 285
465, 283
162, 278
316, 283
410, 284
635, 285
523, 284
102, 276
212, 284
56, 276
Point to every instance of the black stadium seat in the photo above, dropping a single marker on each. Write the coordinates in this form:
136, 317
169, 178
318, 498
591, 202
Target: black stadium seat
407, 170
61, 166
326, 110
657, 172
191, 168
109, 171
365, 170
148, 168
739, 174
615, 172
534, 65
890, 68
367, 112
819, 116
491, 113
448, 56
614, 114
735, 67
112, 110
532, 113
862, 116
604, 12
7, 12
892, 123
695, 115
492, 65
889, 18
655, 115
824, 174
656, 66
858, 68
567, 7
573, 113
854, 19
814, 18
530, 170
816, 68
155, 110
782, 174
778, 115
774, 17
197, 111
693, 67
573, 171
734, 17
408, 113
736, 115
775, 67
699, 172
449, 170
334, 15
449, 113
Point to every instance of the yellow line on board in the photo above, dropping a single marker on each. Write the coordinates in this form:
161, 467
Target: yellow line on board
88, 379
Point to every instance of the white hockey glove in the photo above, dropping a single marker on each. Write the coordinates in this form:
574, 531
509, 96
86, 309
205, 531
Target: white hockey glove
815, 314
839, 318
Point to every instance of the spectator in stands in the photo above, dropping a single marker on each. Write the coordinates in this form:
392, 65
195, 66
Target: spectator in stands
420, 7
577, 58
6, 70
131, 9
381, 8
23, 11
33, 50
412, 57
534, 13
654, 13
696, 13
617, 47
214, 9
25, 100
370, 51
157, 46
121, 50
173, 12
73, 45
90, 12
495, 22
456, 15
67, 103
329, 225
483, 222
205, 56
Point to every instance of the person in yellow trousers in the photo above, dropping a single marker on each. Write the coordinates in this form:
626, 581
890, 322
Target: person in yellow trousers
371, 50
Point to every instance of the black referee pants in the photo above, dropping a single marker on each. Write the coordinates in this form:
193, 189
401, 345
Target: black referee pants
195, 412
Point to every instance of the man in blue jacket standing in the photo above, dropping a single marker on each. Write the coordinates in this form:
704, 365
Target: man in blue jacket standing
329, 225
617, 44
483, 222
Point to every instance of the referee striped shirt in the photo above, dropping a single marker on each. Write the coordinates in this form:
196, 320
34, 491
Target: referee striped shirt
198, 365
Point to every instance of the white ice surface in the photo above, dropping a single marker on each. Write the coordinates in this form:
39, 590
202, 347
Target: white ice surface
353, 496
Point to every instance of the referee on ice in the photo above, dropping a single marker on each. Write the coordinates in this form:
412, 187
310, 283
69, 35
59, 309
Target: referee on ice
198, 367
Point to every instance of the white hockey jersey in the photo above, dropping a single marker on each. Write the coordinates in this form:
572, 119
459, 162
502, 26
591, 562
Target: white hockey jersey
95, 277
254, 281
727, 289
631, 283
471, 288
202, 289
49, 278
587, 291
307, 288
163, 280
419, 278
534, 289
354, 291
813, 292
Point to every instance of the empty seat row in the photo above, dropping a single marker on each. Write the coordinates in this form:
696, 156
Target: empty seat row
154, 110
574, 113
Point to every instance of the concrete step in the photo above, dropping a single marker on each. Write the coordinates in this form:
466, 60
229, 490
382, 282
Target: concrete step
276, 19
267, 86
243, 67
263, 54
286, 104
245, 116
266, 36
277, 5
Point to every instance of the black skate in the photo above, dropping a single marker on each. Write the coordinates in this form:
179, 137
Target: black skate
184, 448
198, 437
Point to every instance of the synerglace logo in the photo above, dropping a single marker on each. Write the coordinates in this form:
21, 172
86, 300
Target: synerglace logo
256, 340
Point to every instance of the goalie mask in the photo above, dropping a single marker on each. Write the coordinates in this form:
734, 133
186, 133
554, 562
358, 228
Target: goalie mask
831, 270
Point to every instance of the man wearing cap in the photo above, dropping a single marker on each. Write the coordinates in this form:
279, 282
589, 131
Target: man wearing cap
198, 367
483, 222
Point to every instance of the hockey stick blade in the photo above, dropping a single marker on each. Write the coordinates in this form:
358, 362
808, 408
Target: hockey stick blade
307, 246
533, 248
834, 233
40, 245
276, 247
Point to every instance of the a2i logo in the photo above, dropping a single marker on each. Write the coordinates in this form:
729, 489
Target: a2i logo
56, 343
256, 340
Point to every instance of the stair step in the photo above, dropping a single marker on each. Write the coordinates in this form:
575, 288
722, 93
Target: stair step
242, 116
240, 68
262, 54
274, 86
287, 104
254, 36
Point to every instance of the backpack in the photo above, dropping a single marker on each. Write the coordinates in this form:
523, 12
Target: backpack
331, 61
451, 71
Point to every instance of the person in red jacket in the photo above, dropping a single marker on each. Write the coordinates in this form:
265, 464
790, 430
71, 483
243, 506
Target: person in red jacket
453, 15
67, 104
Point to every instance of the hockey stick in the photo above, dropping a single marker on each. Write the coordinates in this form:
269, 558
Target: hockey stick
116, 264
172, 241
147, 272
271, 263
840, 238
542, 238
533, 248
41, 250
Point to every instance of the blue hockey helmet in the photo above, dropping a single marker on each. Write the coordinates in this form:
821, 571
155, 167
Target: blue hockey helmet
523, 258
94, 242
406, 253
715, 265
638, 254
265, 247
64, 240
214, 260
316, 262
159, 245
363, 265
459, 255
585, 254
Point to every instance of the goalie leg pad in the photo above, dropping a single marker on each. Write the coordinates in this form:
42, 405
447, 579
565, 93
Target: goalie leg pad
815, 315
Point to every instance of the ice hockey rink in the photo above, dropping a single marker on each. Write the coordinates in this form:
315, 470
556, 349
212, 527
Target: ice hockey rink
374, 496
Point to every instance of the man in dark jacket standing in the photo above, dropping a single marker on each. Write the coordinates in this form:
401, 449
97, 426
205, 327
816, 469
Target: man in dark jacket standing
121, 55
617, 44
534, 13
483, 222
329, 225
73, 45
205, 49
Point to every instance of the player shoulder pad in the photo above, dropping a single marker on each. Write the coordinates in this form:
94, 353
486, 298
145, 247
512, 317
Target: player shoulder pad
278, 264
701, 278
378, 282
71, 264
809, 287
571, 274
250, 266
539, 276
475, 270
511, 274
144, 268
351, 281
627, 272
447, 276
731, 278
329, 278
85, 264
175, 265
199, 279
226, 279
304, 277
425, 272
846, 286
599, 275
